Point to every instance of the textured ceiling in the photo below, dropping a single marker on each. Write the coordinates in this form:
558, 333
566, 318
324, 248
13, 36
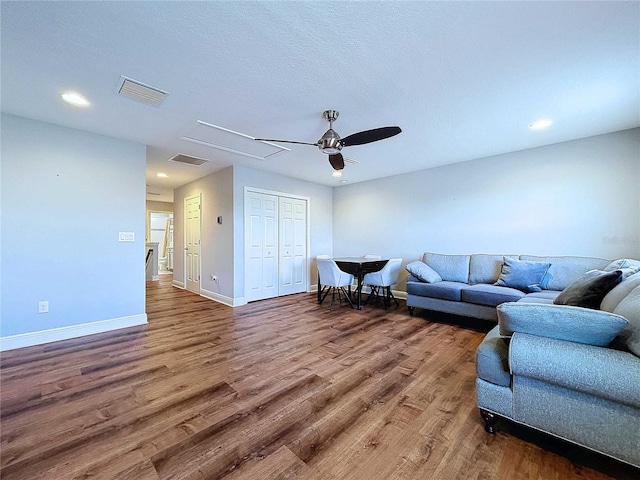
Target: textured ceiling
463, 79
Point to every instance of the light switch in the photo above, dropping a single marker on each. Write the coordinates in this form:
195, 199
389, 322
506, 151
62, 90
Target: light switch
126, 236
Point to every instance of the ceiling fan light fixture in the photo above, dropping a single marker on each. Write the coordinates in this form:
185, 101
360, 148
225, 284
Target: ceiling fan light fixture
331, 150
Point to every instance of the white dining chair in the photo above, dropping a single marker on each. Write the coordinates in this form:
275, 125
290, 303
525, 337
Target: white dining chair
380, 282
333, 279
321, 287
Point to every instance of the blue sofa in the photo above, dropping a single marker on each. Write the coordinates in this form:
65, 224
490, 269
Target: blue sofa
466, 282
566, 370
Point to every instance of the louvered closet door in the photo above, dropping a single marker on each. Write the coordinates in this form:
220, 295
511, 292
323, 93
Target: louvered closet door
293, 245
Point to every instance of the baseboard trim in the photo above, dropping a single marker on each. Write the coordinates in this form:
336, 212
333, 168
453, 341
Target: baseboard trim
72, 331
178, 284
217, 297
402, 295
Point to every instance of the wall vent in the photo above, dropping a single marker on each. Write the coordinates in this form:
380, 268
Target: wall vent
180, 158
140, 92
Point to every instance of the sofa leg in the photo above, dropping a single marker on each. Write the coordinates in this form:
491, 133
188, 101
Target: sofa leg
490, 420
411, 310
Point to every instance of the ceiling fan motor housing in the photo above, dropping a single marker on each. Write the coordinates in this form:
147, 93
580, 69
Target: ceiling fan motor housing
330, 142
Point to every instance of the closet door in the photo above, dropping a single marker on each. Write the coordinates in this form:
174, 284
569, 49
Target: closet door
292, 246
261, 251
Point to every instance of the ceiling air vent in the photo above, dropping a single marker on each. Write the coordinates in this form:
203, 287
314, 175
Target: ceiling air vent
140, 92
180, 158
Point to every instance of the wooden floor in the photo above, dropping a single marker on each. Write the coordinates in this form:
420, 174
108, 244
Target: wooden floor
281, 388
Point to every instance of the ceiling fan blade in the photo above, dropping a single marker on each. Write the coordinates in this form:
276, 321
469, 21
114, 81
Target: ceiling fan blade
369, 136
337, 161
284, 141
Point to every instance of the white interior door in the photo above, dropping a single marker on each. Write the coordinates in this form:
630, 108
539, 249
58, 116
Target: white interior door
270, 248
261, 250
293, 246
192, 243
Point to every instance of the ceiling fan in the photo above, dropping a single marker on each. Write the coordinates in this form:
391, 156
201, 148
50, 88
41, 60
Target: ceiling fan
331, 142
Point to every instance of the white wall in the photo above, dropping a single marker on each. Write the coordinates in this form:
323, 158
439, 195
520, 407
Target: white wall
216, 240
320, 217
223, 245
65, 196
574, 198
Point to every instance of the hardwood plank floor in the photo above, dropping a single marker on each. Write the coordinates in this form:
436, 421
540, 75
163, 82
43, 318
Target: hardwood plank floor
281, 388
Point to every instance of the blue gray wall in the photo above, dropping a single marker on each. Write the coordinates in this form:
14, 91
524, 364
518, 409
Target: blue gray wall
572, 198
65, 196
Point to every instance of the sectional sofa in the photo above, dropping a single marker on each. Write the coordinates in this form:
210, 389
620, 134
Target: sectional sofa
465, 284
569, 368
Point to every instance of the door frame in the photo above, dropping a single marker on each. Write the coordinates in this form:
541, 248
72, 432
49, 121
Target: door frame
308, 228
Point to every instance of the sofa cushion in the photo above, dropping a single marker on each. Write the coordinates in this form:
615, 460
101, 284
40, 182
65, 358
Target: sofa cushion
565, 270
629, 308
452, 268
485, 268
617, 293
492, 359
423, 272
490, 295
522, 274
545, 296
589, 290
563, 322
443, 290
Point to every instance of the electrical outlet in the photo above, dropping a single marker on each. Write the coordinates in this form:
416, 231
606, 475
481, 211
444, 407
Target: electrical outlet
214, 278
43, 307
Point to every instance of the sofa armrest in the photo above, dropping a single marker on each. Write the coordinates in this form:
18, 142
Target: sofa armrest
563, 322
599, 371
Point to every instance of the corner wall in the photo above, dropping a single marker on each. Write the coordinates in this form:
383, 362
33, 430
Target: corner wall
572, 198
66, 194
216, 245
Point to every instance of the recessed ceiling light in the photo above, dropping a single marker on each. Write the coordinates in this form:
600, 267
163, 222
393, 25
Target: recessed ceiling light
161, 175
337, 173
541, 124
75, 99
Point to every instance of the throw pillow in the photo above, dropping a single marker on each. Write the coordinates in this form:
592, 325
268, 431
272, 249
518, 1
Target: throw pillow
522, 275
589, 290
622, 263
423, 272
626, 265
